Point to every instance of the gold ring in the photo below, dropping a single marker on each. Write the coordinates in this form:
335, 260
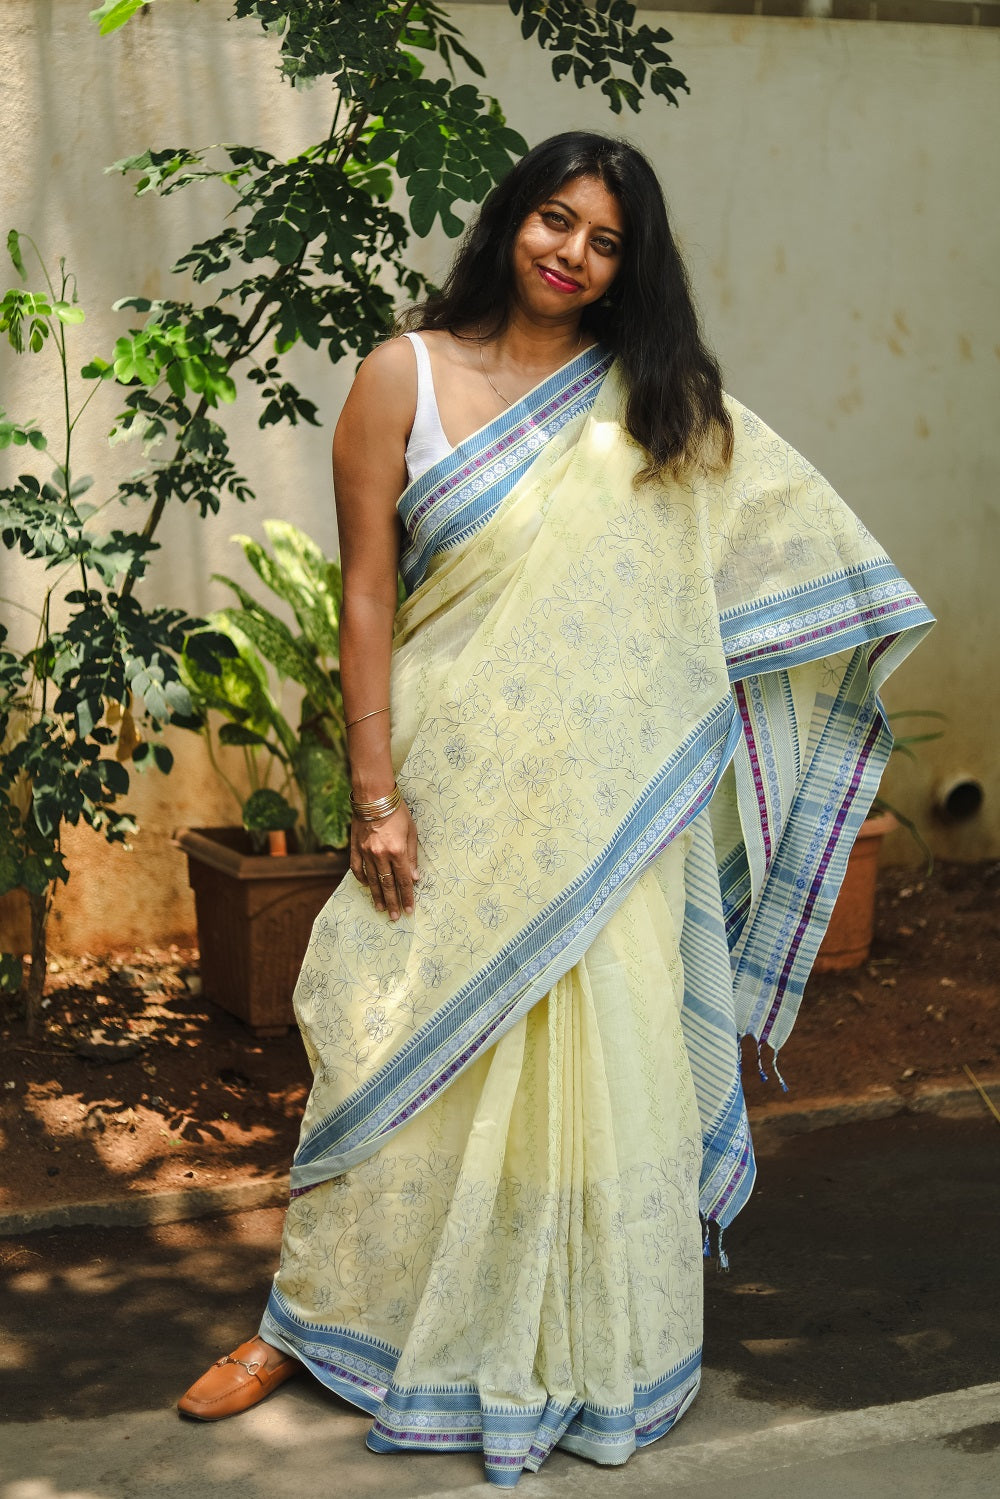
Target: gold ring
385, 879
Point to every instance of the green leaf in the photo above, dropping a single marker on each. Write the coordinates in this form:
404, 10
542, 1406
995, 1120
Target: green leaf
423, 210
322, 774
299, 573
239, 689
68, 312
97, 369
239, 736
115, 776
164, 758
115, 13
14, 251
276, 644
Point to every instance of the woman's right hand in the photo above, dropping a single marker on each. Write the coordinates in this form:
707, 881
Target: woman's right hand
384, 857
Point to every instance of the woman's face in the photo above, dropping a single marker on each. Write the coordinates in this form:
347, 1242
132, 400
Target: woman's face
568, 250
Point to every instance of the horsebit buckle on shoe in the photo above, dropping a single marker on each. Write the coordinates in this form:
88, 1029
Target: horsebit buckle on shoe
250, 1366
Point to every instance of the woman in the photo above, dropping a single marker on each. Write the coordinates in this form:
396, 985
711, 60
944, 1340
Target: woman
608, 759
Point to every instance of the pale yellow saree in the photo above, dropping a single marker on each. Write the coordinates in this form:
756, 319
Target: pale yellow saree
637, 729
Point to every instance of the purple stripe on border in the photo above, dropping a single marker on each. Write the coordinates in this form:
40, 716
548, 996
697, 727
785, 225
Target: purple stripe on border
533, 419
350, 1378
880, 647
471, 1441
670, 1415
739, 1171
789, 642
758, 779
874, 734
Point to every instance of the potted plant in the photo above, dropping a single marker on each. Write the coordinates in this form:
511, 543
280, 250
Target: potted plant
254, 910
848, 939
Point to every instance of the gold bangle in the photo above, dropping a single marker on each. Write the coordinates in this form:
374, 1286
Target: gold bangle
377, 817
381, 807
378, 803
373, 714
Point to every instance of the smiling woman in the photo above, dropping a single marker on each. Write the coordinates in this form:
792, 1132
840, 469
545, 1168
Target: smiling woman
583, 217
571, 244
608, 759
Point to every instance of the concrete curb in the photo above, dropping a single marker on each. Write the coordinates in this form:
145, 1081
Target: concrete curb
142, 1209
770, 1125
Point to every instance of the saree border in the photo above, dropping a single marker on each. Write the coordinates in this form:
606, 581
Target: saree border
527, 966
776, 913
460, 493
851, 606
514, 1437
858, 606
774, 937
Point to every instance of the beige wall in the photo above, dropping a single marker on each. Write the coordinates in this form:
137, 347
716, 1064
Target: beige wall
828, 180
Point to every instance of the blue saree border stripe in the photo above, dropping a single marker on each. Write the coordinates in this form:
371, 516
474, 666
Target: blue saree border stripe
850, 607
816, 882
457, 1417
487, 1002
734, 884
439, 511
779, 942
773, 935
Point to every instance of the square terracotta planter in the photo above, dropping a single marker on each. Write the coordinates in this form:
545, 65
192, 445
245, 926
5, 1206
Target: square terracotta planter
255, 913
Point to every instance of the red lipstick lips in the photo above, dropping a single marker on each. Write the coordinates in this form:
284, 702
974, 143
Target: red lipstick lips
556, 281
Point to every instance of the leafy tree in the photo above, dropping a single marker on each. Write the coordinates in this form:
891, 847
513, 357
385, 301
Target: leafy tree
313, 249
90, 694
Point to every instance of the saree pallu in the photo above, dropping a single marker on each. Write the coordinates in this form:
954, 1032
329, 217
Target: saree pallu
638, 728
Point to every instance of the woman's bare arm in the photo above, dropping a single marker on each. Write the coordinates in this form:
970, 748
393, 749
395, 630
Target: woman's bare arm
369, 472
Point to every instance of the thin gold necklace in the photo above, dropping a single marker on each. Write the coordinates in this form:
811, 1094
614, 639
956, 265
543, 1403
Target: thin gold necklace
482, 361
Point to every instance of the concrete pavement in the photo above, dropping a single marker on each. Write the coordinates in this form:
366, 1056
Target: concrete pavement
852, 1351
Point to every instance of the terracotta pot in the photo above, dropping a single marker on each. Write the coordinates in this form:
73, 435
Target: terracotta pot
848, 938
15, 922
255, 914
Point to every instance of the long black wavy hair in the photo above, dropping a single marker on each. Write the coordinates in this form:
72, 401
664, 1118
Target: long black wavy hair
673, 407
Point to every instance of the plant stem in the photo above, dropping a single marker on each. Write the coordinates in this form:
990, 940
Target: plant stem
218, 768
72, 425
67, 419
15, 604
34, 984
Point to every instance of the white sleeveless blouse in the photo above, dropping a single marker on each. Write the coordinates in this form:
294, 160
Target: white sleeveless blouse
427, 443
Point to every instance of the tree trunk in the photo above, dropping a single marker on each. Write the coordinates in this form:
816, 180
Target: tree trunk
34, 984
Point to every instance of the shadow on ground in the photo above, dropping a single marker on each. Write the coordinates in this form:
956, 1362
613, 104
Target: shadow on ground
863, 1273
863, 1267
108, 1320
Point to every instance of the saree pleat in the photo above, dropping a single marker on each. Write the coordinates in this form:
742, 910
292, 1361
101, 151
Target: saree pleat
522, 1266
638, 728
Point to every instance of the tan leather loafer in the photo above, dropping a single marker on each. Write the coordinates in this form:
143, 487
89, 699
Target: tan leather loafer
235, 1383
